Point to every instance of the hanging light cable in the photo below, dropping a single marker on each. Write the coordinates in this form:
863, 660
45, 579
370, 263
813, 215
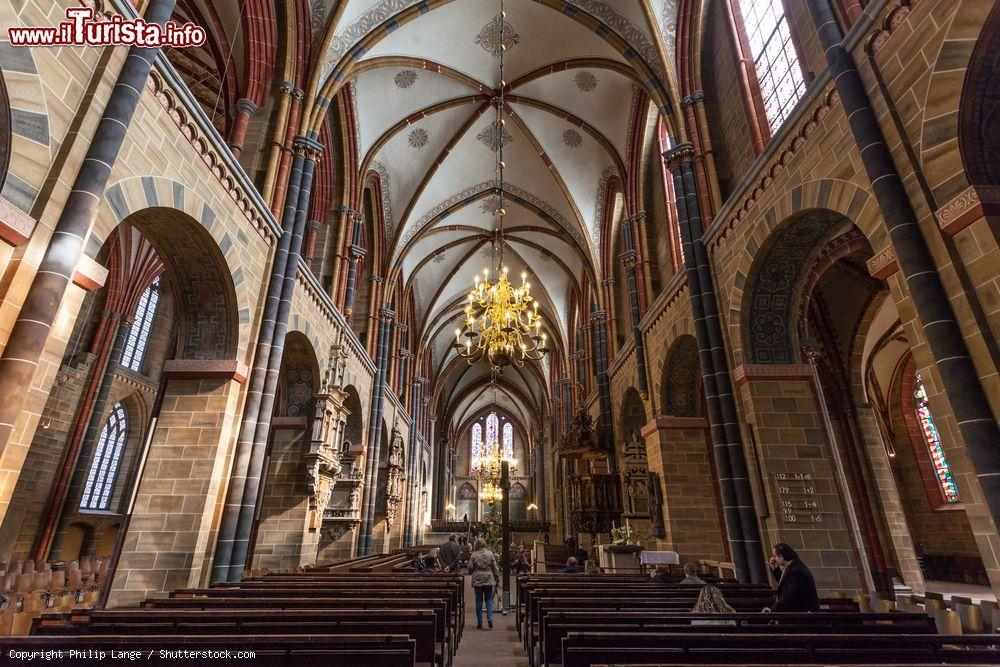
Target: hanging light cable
501, 325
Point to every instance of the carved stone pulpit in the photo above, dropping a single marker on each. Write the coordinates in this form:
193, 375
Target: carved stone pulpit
596, 503
580, 440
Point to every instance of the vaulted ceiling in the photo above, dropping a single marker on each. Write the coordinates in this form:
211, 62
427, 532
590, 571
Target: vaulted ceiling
422, 77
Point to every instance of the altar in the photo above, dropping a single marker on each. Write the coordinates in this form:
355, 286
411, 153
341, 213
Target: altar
619, 558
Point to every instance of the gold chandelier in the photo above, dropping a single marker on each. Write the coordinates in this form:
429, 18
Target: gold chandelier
501, 325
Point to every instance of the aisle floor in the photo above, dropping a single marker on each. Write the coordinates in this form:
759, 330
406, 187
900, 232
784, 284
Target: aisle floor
481, 648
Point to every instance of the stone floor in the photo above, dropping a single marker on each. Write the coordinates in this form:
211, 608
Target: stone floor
480, 648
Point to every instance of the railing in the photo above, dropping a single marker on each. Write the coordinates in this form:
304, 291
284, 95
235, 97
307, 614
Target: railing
525, 526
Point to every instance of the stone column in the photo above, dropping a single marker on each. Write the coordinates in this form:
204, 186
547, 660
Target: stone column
628, 259
244, 486
244, 110
356, 253
678, 450
413, 482
385, 320
737, 497
55, 271
605, 425
962, 385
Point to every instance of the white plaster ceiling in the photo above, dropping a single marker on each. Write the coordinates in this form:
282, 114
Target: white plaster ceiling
422, 93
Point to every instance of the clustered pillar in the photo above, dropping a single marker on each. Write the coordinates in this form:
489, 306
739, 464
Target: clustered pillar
385, 319
737, 497
233, 545
628, 258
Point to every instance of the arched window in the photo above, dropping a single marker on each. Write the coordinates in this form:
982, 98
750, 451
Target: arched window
477, 445
933, 441
138, 335
492, 432
774, 58
104, 468
508, 441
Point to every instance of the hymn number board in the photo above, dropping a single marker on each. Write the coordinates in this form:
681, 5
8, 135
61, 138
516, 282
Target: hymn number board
797, 498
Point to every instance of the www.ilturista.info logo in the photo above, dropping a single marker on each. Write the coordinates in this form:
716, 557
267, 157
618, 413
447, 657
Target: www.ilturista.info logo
80, 29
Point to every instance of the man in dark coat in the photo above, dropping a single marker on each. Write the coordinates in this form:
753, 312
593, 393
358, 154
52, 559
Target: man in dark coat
796, 588
449, 554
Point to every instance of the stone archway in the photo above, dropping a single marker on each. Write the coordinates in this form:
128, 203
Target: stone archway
189, 448
680, 387
680, 457
286, 535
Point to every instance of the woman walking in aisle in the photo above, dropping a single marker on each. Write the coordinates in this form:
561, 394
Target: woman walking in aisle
485, 575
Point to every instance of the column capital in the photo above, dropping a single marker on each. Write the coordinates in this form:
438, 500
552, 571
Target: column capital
406, 354
245, 105
286, 88
628, 258
687, 102
608, 282
310, 147
356, 252
343, 208
376, 279
599, 317
387, 315
635, 217
678, 155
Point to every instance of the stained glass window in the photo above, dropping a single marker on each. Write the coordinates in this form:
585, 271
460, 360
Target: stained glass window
492, 432
138, 335
777, 66
104, 468
508, 441
477, 445
933, 440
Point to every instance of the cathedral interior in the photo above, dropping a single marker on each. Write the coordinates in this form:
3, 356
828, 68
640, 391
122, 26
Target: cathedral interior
265, 301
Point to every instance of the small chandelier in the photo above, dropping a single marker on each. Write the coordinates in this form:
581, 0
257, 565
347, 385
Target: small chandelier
489, 465
501, 324
492, 493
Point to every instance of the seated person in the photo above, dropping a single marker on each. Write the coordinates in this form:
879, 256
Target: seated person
711, 601
572, 566
430, 564
691, 574
418, 562
796, 587
663, 575
590, 567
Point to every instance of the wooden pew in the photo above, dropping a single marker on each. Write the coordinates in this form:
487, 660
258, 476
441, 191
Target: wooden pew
420, 625
555, 625
584, 649
751, 598
341, 591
